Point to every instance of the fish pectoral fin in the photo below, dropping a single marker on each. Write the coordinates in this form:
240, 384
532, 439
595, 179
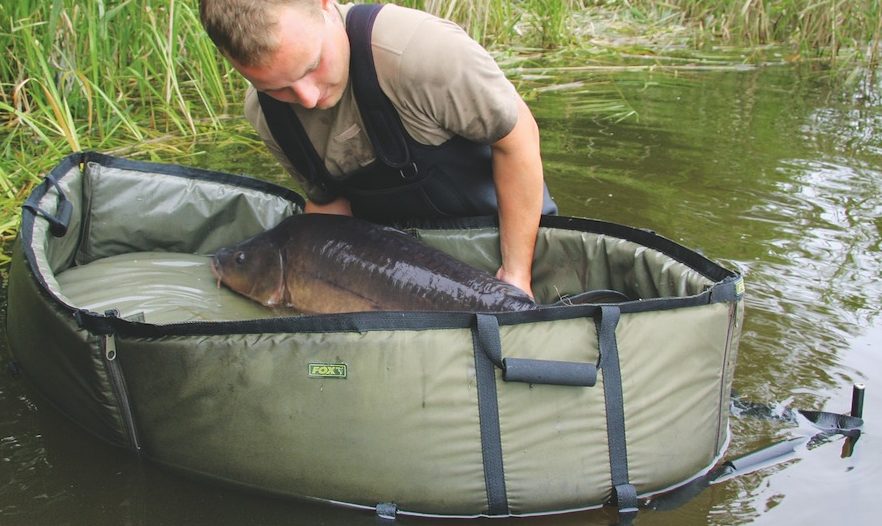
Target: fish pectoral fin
274, 300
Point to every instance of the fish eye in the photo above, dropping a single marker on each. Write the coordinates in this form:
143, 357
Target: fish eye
240, 258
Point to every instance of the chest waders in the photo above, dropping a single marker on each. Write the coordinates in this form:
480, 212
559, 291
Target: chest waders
408, 179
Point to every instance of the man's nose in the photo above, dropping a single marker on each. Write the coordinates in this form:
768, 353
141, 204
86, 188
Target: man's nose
306, 92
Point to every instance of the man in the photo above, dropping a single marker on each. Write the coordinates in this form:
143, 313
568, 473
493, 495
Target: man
388, 113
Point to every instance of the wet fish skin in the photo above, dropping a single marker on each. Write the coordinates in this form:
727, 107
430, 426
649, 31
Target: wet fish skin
319, 263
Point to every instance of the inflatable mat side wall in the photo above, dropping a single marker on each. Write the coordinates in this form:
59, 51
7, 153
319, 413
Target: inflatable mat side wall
454, 413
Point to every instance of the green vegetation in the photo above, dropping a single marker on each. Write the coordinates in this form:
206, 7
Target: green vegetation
140, 78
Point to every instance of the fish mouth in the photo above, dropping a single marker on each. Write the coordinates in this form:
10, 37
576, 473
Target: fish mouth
215, 270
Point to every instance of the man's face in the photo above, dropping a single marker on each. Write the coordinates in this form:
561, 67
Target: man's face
310, 67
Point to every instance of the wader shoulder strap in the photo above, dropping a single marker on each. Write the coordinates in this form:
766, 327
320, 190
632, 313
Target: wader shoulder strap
287, 130
381, 120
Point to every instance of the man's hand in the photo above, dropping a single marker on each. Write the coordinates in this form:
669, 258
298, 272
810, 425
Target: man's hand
522, 281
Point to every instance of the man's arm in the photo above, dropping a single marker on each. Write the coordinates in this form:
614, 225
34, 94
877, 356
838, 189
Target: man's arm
517, 174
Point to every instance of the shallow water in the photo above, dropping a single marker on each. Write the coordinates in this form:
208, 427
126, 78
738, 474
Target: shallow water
775, 171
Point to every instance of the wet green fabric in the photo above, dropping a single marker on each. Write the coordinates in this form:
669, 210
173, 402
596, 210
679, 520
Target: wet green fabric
401, 427
131, 211
672, 392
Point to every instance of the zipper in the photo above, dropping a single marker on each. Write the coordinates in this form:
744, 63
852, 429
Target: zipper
118, 383
734, 312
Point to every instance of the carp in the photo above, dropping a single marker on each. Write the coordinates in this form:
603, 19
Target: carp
320, 263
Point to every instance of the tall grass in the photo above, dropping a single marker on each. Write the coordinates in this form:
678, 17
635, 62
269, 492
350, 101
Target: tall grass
83, 73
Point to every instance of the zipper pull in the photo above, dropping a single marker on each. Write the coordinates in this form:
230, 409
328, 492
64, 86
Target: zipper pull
110, 347
109, 339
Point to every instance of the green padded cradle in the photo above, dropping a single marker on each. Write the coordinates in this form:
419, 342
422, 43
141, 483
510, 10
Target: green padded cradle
117, 319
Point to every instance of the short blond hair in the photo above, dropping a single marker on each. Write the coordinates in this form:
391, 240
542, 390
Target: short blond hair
244, 30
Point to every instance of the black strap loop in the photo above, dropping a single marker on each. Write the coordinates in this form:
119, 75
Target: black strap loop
96, 323
485, 339
625, 496
488, 338
606, 337
730, 289
59, 222
624, 493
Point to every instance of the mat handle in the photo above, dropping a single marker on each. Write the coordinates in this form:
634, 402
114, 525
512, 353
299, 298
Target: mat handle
529, 370
550, 372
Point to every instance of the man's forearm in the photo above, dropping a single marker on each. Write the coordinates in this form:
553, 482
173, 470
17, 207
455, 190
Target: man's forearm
517, 174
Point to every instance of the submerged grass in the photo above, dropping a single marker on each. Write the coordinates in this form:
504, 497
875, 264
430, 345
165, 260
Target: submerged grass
140, 77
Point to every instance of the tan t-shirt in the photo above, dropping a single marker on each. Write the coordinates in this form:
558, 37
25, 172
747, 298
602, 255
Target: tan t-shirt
441, 82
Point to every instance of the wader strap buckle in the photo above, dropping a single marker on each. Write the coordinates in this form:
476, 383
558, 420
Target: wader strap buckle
411, 171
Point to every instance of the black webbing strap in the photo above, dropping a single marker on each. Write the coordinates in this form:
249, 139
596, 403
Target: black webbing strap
624, 494
381, 120
486, 343
730, 289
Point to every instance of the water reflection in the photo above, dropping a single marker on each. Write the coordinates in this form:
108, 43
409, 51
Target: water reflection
774, 171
